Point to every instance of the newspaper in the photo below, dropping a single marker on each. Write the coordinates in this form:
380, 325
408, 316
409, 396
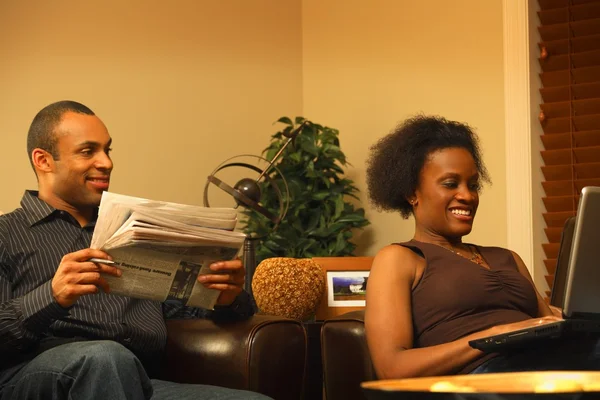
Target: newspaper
162, 247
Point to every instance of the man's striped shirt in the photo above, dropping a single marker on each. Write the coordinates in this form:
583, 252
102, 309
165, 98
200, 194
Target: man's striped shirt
33, 240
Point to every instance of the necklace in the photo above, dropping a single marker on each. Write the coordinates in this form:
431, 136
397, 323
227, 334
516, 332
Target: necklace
475, 256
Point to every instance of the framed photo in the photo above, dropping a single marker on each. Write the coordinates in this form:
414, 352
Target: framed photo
347, 288
346, 285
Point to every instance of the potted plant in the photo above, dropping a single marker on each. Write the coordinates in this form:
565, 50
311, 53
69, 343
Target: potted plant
319, 221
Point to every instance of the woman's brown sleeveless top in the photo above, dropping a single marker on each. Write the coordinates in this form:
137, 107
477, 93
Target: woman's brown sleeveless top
456, 297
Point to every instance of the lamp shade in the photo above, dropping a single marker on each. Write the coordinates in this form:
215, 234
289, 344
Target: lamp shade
288, 287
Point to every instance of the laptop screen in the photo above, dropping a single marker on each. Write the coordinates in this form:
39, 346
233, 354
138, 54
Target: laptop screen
582, 290
557, 297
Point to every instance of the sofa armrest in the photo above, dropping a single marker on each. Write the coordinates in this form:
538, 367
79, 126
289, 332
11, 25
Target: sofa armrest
346, 358
264, 354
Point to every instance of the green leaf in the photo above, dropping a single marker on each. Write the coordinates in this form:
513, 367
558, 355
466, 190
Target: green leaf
313, 220
340, 243
286, 131
272, 245
339, 206
271, 153
309, 147
351, 218
296, 157
285, 120
320, 195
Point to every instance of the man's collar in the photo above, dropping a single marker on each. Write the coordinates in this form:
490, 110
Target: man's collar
37, 210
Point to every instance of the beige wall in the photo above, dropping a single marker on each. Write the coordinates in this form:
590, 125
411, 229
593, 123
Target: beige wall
369, 65
180, 88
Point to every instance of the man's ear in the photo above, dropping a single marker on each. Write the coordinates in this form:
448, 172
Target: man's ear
412, 200
42, 160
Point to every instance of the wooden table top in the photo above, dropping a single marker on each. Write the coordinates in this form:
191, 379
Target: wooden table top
510, 382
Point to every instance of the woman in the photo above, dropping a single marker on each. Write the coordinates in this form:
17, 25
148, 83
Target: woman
430, 296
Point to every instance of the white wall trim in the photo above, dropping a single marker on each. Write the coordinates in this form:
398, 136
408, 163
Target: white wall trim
518, 130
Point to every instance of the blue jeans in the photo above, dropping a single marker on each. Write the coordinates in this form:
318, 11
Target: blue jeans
103, 370
568, 355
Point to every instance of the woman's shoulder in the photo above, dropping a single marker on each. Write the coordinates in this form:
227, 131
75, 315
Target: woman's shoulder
396, 255
394, 249
409, 249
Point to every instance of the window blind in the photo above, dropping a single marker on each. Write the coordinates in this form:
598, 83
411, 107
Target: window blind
569, 56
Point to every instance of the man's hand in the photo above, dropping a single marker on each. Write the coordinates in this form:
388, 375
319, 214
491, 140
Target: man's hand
76, 276
229, 279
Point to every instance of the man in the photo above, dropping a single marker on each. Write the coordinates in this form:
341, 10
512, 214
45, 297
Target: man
61, 334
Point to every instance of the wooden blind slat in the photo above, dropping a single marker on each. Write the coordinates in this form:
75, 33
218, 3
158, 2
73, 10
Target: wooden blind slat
557, 141
575, 13
567, 108
565, 61
553, 235
586, 90
579, 12
569, 77
587, 173
557, 219
550, 265
565, 188
555, 78
557, 157
579, 155
561, 203
557, 125
578, 91
558, 188
587, 170
586, 74
585, 59
586, 122
586, 27
557, 173
577, 123
568, 171
574, 45
587, 154
551, 249
587, 138
549, 4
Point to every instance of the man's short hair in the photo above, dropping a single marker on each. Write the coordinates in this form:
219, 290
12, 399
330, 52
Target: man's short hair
42, 133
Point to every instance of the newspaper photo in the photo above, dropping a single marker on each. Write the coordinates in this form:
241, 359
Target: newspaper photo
162, 247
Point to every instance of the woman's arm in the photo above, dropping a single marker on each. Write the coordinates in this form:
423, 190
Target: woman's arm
389, 328
543, 309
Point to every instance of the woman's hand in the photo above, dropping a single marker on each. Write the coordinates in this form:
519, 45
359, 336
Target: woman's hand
557, 312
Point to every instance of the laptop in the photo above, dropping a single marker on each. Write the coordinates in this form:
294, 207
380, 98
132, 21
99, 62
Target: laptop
557, 297
576, 287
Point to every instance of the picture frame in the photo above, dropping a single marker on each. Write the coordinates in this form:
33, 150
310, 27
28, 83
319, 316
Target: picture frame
341, 294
